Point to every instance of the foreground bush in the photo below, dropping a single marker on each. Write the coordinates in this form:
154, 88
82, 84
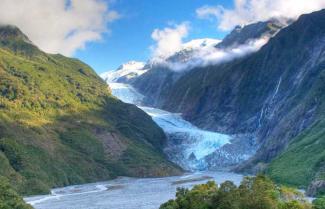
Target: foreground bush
319, 203
9, 199
253, 193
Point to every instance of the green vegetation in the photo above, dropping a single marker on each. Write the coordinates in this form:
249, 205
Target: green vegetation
59, 124
9, 199
319, 203
253, 193
304, 160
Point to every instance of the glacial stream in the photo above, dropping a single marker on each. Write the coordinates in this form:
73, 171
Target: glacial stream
124, 192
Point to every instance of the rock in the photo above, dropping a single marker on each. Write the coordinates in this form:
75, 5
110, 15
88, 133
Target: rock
315, 188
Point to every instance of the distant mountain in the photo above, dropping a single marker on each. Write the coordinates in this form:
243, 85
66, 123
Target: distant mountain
125, 72
59, 124
241, 34
191, 48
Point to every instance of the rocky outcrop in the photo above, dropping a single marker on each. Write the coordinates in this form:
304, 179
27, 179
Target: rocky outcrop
316, 188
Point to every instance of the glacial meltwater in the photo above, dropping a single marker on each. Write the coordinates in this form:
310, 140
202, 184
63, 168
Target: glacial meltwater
124, 192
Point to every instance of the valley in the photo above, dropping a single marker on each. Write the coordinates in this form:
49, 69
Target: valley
243, 105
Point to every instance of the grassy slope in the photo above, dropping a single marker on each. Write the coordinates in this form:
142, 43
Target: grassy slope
59, 125
304, 160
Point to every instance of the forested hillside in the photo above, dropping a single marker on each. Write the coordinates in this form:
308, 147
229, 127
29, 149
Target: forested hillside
59, 124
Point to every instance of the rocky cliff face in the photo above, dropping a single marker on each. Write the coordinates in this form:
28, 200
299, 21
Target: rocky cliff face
240, 35
160, 77
275, 94
156, 84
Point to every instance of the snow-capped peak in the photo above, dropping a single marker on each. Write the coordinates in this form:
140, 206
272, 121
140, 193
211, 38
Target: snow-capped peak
200, 43
131, 65
126, 71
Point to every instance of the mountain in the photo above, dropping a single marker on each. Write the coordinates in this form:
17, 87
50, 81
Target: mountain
190, 49
125, 72
271, 100
157, 82
59, 124
241, 34
276, 94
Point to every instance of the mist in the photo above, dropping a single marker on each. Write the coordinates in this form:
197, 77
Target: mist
210, 55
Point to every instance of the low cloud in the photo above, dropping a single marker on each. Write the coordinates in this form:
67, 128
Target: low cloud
169, 40
249, 11
59, 26
210, 55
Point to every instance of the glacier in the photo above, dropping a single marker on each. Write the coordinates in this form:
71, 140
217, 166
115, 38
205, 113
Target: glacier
187, 145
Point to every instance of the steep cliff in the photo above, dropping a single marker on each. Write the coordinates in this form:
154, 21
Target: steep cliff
276, 93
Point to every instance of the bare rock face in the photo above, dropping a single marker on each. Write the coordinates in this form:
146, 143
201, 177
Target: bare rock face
316, 188
275, 94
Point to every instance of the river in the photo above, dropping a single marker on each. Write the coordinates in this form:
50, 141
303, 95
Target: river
125, 192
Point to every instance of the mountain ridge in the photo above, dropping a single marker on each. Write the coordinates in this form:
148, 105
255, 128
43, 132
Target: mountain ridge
60, 125
274, 95
280, 77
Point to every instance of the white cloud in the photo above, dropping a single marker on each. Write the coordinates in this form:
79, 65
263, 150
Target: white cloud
209, 12
59, 26
210, 55
248, 11
169, 40
172, 52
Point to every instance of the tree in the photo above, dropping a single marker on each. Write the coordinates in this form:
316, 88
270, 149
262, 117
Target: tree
9, 199
253, 193
319, 203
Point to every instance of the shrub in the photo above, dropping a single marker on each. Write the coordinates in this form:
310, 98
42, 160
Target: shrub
253, 193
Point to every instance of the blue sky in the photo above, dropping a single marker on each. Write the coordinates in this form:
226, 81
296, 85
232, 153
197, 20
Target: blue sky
130, 36
75, 27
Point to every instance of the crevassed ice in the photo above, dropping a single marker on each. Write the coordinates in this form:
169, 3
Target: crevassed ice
201, 143
194, 140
